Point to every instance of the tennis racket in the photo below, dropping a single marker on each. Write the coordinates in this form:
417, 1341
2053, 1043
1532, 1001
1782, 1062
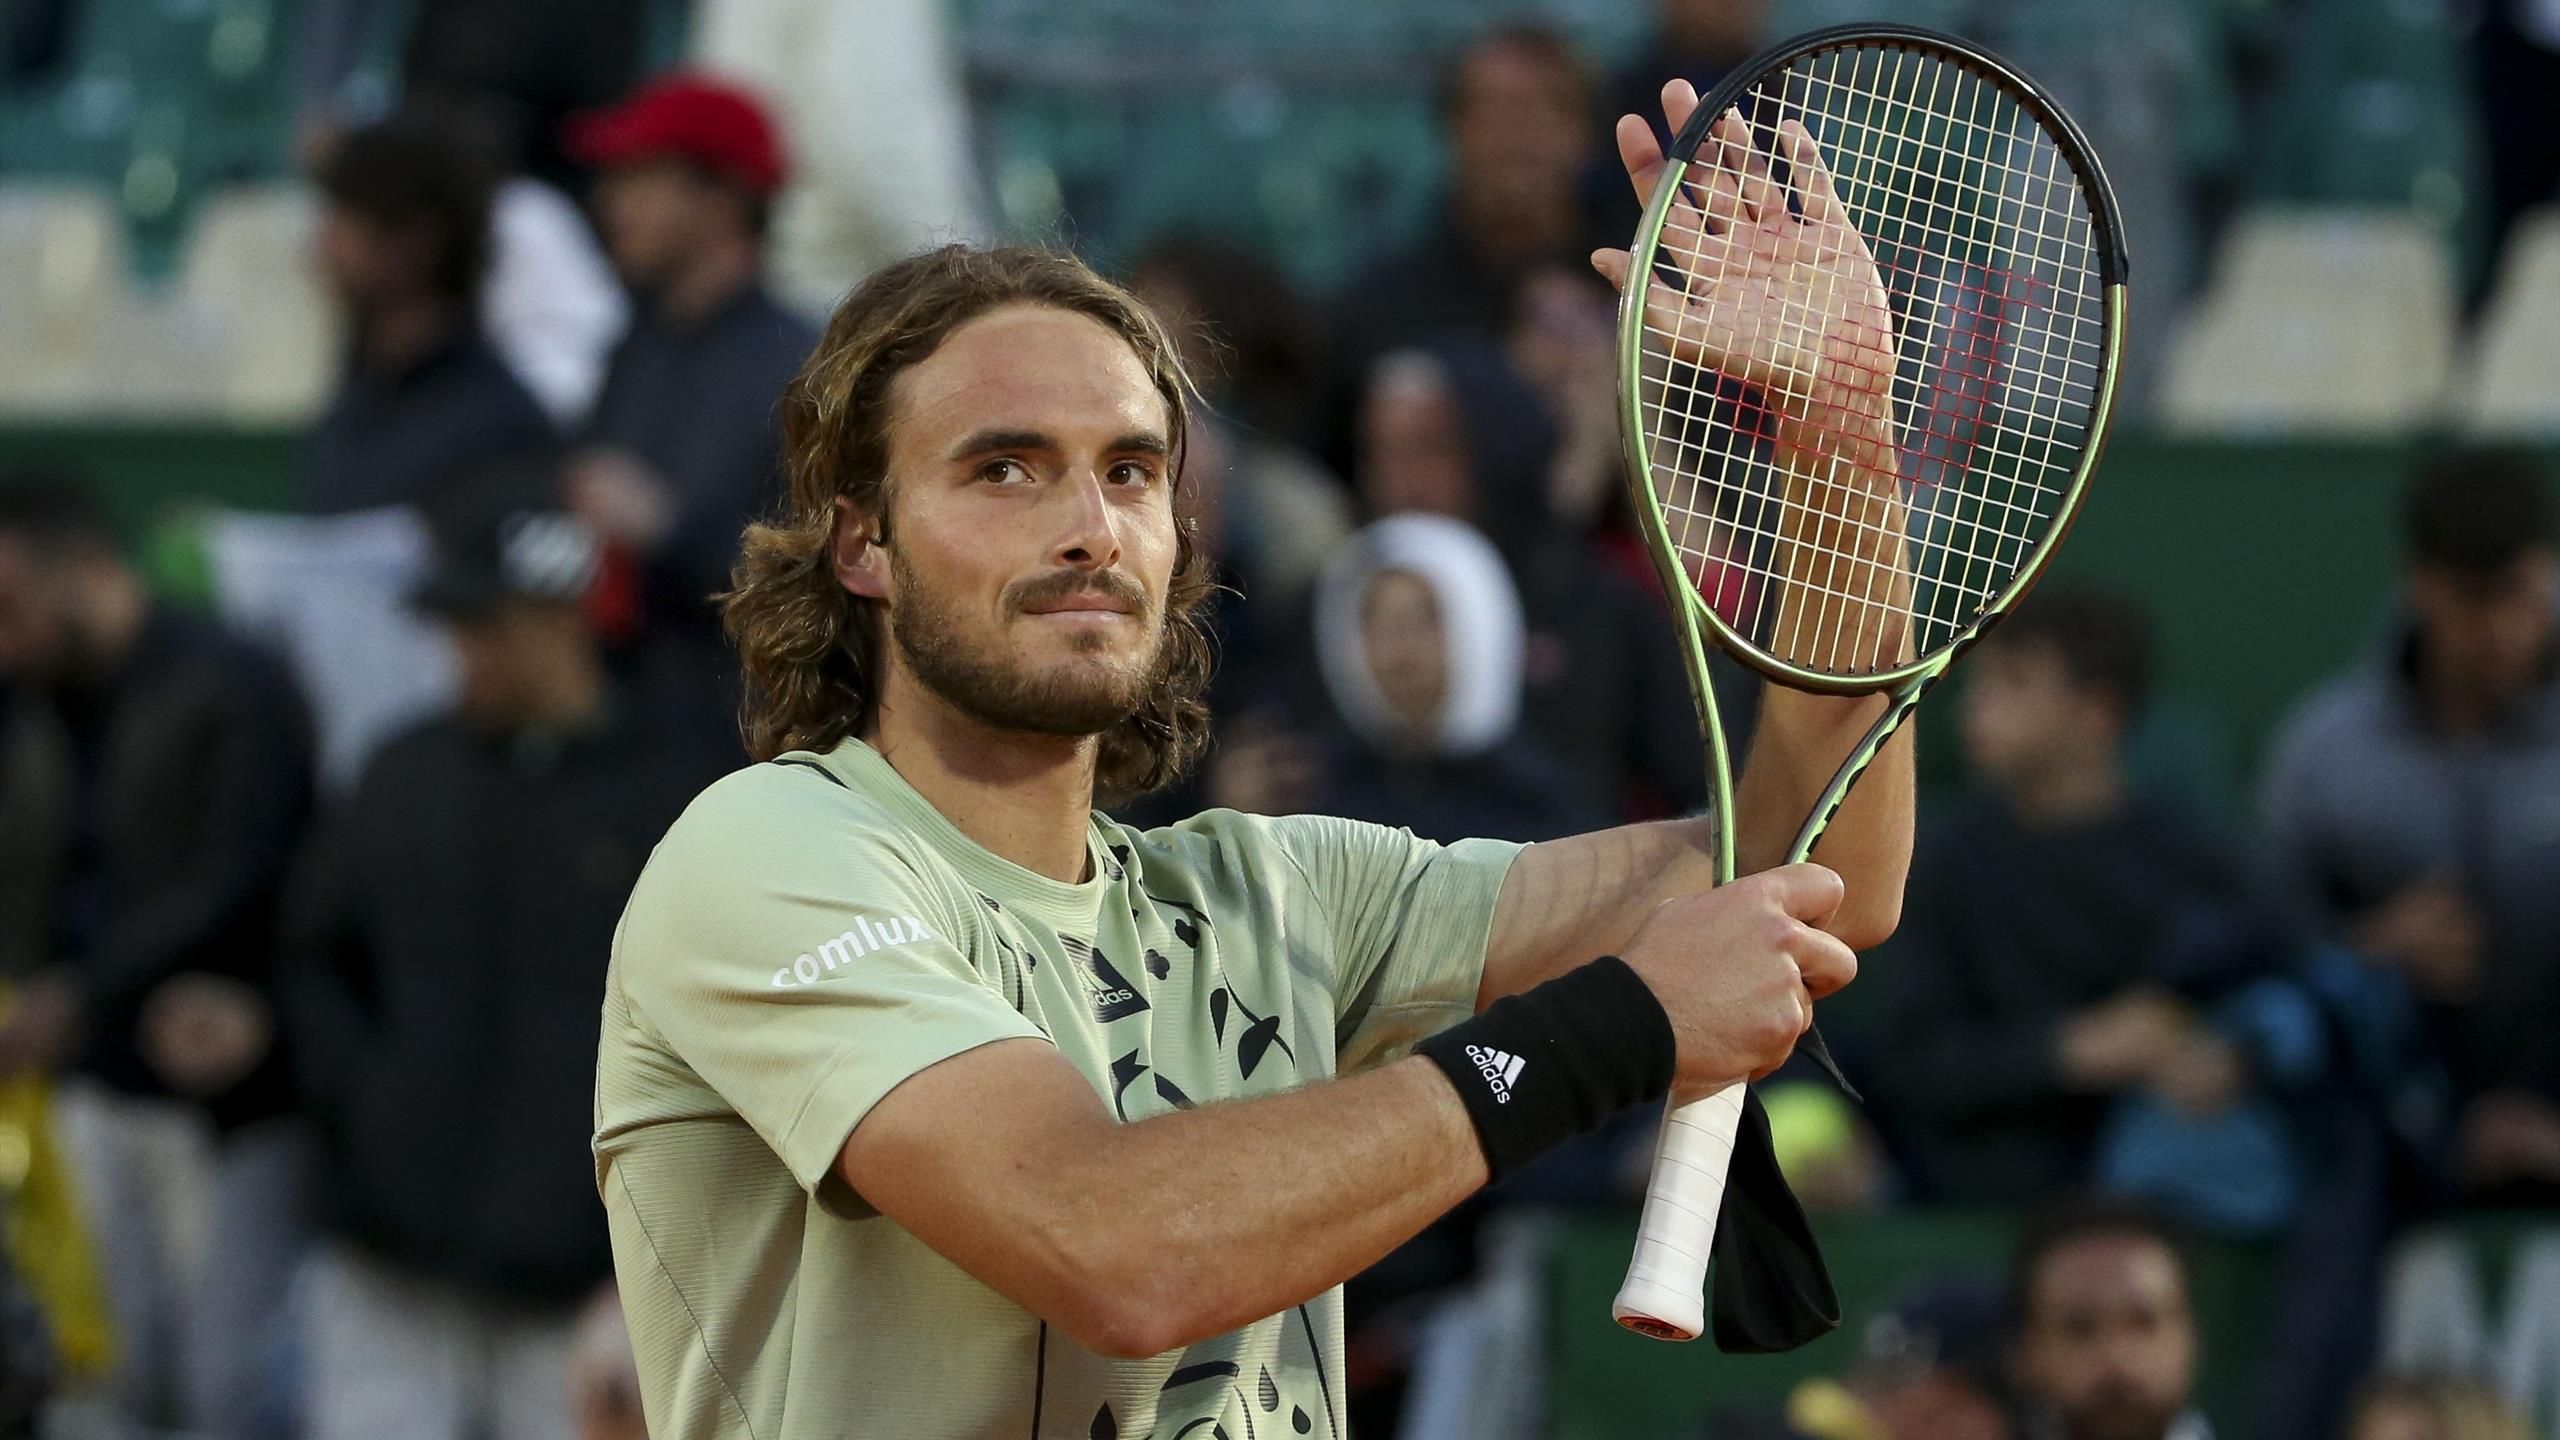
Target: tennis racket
1867, 350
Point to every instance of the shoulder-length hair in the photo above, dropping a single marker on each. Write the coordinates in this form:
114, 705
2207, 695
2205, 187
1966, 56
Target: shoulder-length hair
812, 651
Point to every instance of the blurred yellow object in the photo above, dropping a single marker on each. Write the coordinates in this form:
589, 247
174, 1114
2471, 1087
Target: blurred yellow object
1825, 1409
47, 1239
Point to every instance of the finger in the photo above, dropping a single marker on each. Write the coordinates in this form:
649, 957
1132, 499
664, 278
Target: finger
1719, 180
1809, 892
1641, 154
1761, 197
1826, 965
1679, 102
1819, 203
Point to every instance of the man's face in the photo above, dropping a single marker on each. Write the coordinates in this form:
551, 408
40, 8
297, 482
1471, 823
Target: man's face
35, 625
2023, 715
1517, 133
2489, 641
492, 693
365, 262
1408, 648
1413, 447
653, 214
2107, 1341
1032, 536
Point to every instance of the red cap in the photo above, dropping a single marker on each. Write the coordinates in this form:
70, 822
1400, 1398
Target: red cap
687, 116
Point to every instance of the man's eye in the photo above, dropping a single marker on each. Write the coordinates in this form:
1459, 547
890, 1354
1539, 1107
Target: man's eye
1133, 472
1003, 471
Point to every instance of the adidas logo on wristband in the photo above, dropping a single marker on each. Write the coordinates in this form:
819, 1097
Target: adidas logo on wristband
1500, 1068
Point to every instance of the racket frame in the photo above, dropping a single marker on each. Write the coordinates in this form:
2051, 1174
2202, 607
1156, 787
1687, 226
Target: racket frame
1667, 1302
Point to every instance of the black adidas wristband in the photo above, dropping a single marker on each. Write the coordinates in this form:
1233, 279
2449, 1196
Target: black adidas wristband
1539, 1068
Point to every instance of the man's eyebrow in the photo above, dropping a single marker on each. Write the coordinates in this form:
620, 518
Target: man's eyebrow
984, 441
1142, 442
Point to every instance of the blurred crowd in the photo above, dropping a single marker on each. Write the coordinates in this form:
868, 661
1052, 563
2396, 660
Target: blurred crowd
305, 900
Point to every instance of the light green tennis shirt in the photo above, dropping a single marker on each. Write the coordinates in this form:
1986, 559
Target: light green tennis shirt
812, 932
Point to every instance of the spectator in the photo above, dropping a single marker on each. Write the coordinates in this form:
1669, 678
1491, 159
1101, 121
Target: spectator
2407, 805
535, 64
155, 775
426, 404
684, 447
2106, 1331
1455, 431
1929, 1368
1419, 635
551, 304
452, 935
1700, 41
1275, 515
1515, 112
877, 95
2031, 983
2425, 1408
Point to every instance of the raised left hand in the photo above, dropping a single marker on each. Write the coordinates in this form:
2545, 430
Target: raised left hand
1785, 298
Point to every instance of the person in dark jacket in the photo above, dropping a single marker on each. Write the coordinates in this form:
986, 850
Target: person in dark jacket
426, 405
451, 934
2412, 807
2039, 976
1516, 110
684, 446
155, 777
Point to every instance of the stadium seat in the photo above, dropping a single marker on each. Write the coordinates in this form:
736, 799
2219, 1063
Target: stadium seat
2332, 322
2511, 383
247, 279
62, 247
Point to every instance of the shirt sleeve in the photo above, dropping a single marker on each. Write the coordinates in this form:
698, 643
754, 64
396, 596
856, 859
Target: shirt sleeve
1409, 920
798, 964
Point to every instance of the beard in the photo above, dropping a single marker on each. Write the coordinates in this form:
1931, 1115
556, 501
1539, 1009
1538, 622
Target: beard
1070, 700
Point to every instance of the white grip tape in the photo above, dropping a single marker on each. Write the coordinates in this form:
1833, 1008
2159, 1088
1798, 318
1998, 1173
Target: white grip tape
1665, 1295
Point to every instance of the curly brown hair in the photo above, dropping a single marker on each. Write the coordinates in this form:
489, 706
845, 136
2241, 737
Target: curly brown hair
811, 649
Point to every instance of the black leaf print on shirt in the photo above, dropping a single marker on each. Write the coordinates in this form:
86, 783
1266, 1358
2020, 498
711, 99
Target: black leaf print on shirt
1218, 1013
1172, 1093
1205, 1370
1298, 1418
1261, 1033
1124, 1073
1158, 965
1186, 932
1104, 1426
1257, 1041
1270, 1392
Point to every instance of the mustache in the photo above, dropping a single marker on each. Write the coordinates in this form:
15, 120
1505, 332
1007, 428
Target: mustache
1059, 584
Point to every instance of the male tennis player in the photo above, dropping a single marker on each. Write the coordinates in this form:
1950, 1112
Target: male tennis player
933, 1104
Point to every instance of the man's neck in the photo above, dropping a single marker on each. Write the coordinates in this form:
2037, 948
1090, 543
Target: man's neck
400, 333
711, 279
1026, 798
2069, 795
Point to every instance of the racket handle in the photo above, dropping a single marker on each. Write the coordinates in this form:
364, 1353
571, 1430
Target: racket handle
1665, 1294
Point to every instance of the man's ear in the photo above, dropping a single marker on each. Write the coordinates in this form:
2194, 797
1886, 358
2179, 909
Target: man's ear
854, 553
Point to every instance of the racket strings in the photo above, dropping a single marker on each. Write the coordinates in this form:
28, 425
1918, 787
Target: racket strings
1983, 242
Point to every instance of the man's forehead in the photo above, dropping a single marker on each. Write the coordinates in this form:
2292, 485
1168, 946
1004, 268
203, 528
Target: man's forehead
1027, 368
2105, 1268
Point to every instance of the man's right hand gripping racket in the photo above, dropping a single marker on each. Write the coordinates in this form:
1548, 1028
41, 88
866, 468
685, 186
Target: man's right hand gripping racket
1867, 347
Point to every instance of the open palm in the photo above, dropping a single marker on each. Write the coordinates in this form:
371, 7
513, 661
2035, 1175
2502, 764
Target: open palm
1784, 298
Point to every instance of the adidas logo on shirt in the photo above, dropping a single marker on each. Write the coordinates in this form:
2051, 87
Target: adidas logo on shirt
1501, 1070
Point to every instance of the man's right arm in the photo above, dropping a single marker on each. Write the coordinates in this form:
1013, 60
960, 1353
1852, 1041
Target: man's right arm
1138, 1239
